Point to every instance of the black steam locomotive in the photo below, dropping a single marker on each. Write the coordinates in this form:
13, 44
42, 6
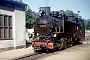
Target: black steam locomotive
54, 30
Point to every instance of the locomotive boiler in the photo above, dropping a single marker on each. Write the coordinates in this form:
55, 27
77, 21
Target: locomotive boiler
54, 30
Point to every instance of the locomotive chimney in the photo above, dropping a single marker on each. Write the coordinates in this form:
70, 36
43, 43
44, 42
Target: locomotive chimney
46, 10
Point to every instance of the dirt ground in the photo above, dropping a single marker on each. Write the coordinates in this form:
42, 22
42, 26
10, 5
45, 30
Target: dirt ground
78, 52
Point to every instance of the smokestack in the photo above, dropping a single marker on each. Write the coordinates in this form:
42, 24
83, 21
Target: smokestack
46, 10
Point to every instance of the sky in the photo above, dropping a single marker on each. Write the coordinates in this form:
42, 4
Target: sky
75, 5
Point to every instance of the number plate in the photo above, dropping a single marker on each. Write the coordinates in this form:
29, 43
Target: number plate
42, 25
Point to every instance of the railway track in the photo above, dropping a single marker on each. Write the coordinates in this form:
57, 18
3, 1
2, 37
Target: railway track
38, 56
42, 55
33, 56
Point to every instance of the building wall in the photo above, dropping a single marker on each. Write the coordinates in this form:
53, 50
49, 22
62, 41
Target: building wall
87, 33
18, 29
30, 30
6, 43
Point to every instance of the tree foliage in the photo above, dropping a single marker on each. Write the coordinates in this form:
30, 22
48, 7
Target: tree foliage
87, 24
70, 13
30, 17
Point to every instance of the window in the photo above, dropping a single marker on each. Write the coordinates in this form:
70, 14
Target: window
5, 27
61, 29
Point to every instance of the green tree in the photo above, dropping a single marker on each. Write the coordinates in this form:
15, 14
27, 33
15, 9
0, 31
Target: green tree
30, 17
87, 24
70, 13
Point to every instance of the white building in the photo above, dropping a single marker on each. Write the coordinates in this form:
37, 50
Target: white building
87, 33
30, 30
12, 25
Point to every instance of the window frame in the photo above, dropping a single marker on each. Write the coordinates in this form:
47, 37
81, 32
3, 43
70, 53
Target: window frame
9, 33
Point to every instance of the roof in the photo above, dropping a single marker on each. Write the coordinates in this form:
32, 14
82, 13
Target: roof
13, 3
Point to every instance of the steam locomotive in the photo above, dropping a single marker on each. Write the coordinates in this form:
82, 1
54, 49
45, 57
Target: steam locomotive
54, 30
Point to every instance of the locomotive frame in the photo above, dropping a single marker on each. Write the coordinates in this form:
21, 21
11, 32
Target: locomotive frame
56, 30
